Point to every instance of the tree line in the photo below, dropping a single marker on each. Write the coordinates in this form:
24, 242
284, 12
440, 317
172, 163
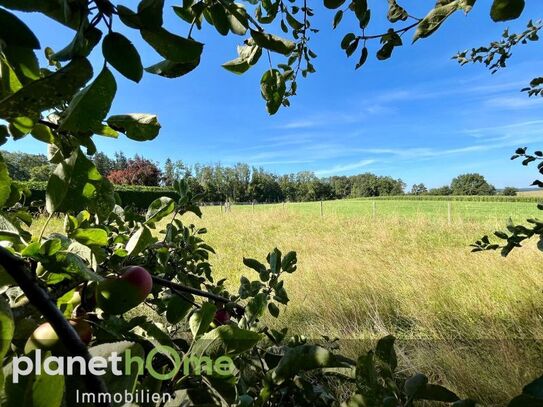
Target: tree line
245, 183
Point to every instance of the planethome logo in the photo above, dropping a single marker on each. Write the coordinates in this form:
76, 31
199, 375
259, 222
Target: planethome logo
122, 364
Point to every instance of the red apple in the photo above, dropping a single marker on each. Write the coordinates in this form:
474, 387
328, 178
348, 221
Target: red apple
222, 317
119, 295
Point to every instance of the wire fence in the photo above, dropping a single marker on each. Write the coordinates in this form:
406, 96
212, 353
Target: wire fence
449, 211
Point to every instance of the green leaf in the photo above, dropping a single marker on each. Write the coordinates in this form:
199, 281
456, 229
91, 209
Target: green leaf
385, 351
256, 306
150, 13
90, 236
396, 12
249, 54
333, 4
226, 340
90, 106
129, 18
438, 15
273, 88
54, 9
159, 209
126, 382
415, 384
48, 390
178, 308
254, 264
534, 389
15, 33
273, 42
302, 358
237, 66
503, 10
48, 92
173, 47
136, 126
169, 69
139, 241
123, 56
76, 184
347, 39
237, 19
105, 131
7, 327
5, 279
24, 62
5, 182
81, 46
219, 18
337, 18
436, 392
9, 82
201, 319
274, 309
20, 127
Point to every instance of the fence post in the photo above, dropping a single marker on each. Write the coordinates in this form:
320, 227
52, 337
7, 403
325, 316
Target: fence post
253, 206
373, 209
221, 207
449, 212
322, 211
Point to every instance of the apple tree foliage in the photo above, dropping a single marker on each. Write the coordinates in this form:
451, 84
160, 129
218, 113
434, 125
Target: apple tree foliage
52, 277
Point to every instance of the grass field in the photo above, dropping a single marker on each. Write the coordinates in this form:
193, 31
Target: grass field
470, 321
459, 210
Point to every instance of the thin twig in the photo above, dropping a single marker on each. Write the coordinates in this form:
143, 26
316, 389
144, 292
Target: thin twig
40, 299
186, 289
400, 31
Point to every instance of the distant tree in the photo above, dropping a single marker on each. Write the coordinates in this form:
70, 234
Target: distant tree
288, 186
168, 175
103, 163
471, 184
41, 172
369, 184
441, 191
510, 191
20, 164
264, 187
138, 171
418, 189
341, 186
174, 170
120, 161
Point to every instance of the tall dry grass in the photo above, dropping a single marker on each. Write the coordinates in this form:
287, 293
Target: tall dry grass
471, 320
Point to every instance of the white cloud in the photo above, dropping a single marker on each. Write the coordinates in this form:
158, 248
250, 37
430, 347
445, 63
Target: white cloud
512, 103
344, 167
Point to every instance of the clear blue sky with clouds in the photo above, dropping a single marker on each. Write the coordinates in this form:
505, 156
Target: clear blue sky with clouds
418, 116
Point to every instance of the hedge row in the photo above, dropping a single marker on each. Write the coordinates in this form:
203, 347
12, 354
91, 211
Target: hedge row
139, 196
142, 196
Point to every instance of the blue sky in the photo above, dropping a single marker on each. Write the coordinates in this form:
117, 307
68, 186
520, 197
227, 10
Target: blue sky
418, 116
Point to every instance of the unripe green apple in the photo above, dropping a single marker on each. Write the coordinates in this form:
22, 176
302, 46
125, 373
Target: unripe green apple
119, 295
44, 336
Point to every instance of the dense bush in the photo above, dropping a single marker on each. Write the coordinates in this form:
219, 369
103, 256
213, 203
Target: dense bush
139, 196
471, 184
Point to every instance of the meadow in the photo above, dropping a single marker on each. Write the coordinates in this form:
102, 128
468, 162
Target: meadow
472, 321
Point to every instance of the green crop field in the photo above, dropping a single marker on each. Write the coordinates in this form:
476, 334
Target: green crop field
462, 317
435, 209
